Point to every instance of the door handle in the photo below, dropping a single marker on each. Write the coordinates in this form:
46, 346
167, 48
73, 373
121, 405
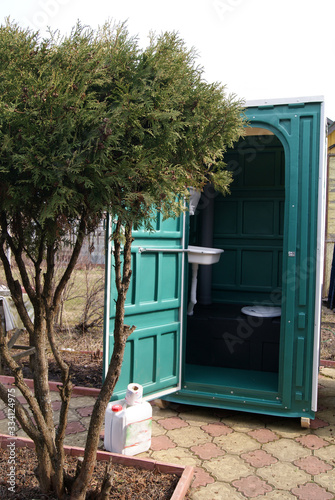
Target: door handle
169, 250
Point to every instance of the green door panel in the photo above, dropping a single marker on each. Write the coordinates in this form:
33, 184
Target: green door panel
153, 305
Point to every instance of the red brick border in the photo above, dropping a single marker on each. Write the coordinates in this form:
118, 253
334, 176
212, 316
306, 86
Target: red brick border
327, 363
185, 473
80, 391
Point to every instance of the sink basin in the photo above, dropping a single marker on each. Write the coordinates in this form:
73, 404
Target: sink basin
203, 255
196, 256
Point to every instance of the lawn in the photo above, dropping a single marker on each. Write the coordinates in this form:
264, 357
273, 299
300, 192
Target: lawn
79, 323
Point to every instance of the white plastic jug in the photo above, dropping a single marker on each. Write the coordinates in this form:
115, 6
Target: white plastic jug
128, 427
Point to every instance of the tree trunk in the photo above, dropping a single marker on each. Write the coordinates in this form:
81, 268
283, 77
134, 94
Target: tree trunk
48, 444
40, 429
121, 333
44, 471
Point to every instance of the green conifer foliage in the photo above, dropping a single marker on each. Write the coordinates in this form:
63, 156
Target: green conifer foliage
89, 124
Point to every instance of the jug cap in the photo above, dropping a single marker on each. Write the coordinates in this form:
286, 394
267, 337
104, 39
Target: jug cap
117, 408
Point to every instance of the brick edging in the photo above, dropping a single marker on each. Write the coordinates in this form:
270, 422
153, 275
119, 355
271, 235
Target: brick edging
81, 391
185, 472
327, 363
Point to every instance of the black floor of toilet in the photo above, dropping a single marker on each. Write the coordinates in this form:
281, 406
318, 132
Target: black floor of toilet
220, 335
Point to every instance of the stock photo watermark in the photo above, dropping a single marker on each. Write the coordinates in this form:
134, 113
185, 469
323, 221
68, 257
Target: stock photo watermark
11, 447
46, 10
224, 7
248, 324
245, 328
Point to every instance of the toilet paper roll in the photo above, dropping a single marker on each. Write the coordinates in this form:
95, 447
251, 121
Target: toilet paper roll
134, 394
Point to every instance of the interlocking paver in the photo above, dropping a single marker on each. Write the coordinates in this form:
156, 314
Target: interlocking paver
259, 458
78, 439
55, 396
82, 402
161, 443
74, 428
252, 486
56, 405
311, 492
207, 451
326, 480
72, 416
228, 468
313, 442
172, 423
327, 453
318, 422
86, 423
217, 491
312, 465
156, 429
218, 429
237, 443
327, 433
201, 478
286, 450
283, 476
86, 411
263, 435
176, 455
277, 495
188, 436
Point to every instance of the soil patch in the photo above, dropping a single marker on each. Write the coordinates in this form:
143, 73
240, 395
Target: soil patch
327, 348
129, 483
85, 368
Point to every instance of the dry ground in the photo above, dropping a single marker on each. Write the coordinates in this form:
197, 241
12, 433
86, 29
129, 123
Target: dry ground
327, 348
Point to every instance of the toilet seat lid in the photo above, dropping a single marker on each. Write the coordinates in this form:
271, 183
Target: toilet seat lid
262, 311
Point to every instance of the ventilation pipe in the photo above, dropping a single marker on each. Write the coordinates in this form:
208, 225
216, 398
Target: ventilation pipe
206, 240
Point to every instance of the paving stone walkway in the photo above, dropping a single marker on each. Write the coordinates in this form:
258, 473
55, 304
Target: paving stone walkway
235, 455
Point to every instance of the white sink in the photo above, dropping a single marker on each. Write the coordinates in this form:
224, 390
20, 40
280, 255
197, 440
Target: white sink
196, 256
203, 255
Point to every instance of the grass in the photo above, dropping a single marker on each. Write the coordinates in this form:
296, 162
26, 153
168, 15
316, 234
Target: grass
84, 292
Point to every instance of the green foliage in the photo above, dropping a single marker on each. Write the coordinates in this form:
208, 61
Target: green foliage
91, 123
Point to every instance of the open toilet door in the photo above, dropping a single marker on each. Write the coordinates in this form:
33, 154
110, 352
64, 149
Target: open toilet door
154, 306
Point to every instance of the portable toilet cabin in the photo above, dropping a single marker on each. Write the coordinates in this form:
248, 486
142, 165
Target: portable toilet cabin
242, 333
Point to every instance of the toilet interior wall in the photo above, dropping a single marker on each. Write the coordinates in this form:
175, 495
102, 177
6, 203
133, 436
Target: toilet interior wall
248, 224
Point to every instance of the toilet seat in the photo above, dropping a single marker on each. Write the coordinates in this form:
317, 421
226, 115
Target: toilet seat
262, 311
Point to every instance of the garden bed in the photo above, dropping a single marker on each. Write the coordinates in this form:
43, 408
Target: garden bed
133, 478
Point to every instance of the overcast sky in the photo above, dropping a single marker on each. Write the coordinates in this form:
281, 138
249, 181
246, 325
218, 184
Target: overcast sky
259, 49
